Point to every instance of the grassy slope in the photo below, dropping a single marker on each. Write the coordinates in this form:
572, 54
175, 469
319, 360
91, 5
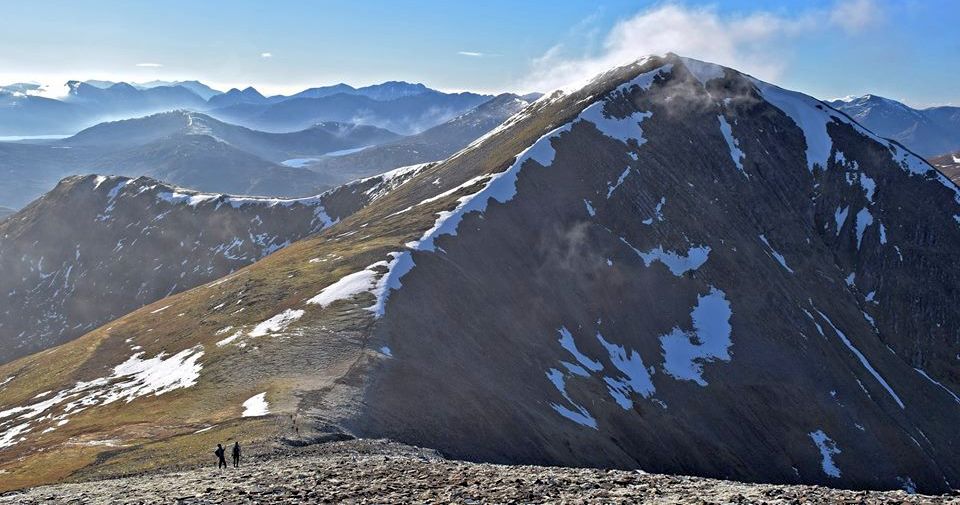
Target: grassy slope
320, 362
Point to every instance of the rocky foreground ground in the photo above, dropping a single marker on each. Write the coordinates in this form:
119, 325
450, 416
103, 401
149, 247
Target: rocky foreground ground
373, 471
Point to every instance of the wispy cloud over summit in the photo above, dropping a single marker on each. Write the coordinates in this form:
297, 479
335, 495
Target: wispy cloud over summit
750, 42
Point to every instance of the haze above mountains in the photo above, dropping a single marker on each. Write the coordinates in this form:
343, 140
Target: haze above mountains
400, 106
197, 150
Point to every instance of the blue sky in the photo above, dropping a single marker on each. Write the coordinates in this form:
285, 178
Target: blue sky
902, 49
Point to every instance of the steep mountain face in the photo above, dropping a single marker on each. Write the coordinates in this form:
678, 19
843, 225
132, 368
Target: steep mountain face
949, 165
406, 115
928, 132
434, 144
134, 241
676, 268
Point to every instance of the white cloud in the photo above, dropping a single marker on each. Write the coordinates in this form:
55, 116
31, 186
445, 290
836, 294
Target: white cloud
855, 15
55, 91
266, 55
748, 42
149, 65
470, 53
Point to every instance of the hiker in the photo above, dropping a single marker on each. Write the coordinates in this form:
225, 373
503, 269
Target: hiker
221, 461
236, 455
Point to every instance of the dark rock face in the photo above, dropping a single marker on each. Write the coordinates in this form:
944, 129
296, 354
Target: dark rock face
744, 285
95, 248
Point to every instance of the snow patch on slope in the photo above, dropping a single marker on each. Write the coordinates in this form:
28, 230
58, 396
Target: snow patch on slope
828, 448
256, 406
612, 187
276, 323
635, 376
776, 255
685, 352
945, 388
578, 414
735, 153
840, 217
864, 219
134, 378
677, 263
863, 359
349, 286
809, 114
567, 342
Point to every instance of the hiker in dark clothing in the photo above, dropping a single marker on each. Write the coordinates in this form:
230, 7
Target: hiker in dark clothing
221, 460
236, 455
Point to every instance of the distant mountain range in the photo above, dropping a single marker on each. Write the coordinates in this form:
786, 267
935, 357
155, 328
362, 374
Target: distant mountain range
399, 106
315, 140
195, 150
406, 114
434, 144
927, 132
184, 148
202, 90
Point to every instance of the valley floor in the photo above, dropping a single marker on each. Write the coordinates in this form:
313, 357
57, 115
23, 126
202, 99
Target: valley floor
373, 471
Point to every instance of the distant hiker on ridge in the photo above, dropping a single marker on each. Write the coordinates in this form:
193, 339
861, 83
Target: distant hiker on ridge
220, 453
236, 455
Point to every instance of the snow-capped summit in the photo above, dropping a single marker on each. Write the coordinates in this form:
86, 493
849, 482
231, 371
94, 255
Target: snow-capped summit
929, 132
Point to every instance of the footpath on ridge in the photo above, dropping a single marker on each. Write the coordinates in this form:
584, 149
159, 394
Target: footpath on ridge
379, 471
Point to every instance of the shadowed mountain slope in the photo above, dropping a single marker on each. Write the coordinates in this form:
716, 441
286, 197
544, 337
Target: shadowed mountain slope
133, 241
675, 268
